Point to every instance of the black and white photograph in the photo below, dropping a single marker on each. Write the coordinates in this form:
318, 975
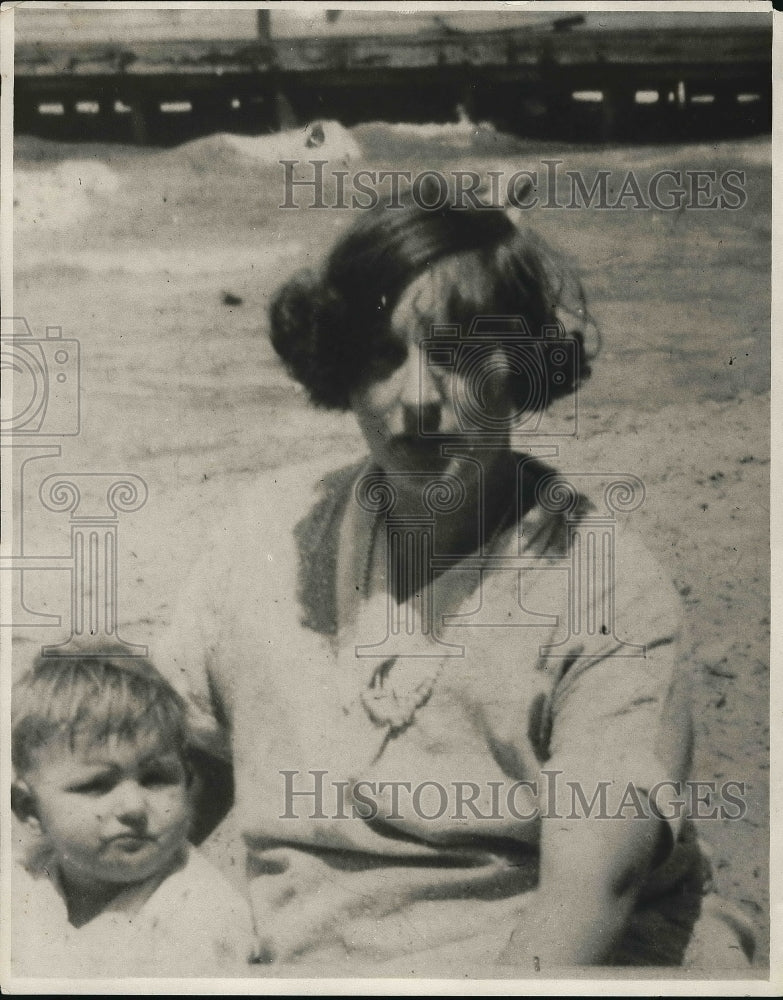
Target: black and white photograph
386, 448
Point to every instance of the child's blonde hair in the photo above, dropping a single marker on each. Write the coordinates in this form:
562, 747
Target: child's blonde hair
89, 698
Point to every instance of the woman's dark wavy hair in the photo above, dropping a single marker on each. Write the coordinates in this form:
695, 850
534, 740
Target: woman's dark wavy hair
332, 327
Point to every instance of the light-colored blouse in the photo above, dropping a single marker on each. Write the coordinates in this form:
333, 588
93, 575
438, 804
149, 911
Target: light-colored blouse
192, 922
413, 845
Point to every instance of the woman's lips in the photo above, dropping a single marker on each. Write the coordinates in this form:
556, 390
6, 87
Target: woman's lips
422, 449
431, 442
416, 442
418, 451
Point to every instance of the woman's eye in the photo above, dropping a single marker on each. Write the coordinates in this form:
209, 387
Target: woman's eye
387, 357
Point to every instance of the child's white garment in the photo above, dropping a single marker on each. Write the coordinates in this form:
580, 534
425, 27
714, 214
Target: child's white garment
191, 923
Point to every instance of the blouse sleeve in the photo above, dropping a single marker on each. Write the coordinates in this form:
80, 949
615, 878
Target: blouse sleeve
187, 652
620, 707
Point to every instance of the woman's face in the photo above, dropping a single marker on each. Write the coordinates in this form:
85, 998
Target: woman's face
433, 401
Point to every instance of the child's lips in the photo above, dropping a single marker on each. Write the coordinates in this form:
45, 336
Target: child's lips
130, 841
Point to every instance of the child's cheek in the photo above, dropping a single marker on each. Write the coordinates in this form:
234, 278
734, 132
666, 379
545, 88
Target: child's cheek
178, 804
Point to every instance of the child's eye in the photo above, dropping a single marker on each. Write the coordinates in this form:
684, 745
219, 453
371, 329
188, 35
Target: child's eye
161, 776
95, 786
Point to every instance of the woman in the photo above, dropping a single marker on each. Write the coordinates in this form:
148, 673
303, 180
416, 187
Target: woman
455, 745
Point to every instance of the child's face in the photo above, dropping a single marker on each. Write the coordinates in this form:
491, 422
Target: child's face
114, 813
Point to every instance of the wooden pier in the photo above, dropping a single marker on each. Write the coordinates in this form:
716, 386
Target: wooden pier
590, 84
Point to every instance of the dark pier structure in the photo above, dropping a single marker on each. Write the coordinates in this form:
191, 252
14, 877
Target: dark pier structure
563, 79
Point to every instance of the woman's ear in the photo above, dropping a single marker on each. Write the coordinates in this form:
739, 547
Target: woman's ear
23, 804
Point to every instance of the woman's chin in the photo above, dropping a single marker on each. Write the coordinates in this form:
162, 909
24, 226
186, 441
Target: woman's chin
436, 457
417, 455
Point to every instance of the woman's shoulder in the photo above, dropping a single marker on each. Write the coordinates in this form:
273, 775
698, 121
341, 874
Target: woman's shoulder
287, 492
269, 506
601, 517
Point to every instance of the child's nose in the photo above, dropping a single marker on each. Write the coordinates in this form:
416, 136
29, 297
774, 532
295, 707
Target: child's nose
131, 802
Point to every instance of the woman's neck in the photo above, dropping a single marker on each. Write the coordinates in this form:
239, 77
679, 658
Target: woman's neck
491, 501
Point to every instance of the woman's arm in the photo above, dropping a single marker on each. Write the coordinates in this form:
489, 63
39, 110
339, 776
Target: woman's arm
621, 722
183, 656
591, 871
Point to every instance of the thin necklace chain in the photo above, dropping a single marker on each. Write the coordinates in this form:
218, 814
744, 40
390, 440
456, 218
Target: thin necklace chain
386, 706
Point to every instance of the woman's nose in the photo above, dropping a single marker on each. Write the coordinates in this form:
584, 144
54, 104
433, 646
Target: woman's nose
421, 399
422, 419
